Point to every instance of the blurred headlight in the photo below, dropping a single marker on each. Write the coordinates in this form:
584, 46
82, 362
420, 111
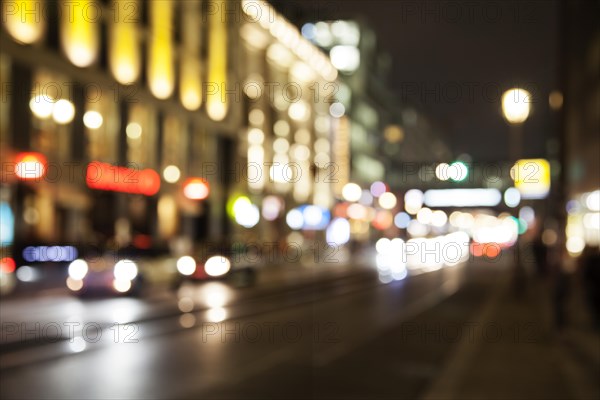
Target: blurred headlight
217, 266
74, 284
78, 269
186, 265
125, 270
122, 285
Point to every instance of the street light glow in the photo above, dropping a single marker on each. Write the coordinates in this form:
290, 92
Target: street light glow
516, 104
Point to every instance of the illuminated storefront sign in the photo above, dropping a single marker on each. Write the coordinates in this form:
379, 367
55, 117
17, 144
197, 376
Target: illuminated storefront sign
103, 176
49, 253
532, 178
7, 265
7, 224
30, 166
462, 197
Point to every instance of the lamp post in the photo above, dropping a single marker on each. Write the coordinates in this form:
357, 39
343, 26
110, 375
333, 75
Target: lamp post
515, 108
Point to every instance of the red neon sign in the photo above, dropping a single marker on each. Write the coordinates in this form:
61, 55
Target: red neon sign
30, 166
104, 176
7, 265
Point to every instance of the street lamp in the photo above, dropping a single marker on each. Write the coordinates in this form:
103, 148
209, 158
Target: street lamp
515, 108
516, 104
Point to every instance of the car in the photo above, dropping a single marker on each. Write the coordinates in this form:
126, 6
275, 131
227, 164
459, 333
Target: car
108, 273
215, 267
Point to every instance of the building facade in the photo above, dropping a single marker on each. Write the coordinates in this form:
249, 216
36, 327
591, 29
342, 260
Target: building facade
141, 123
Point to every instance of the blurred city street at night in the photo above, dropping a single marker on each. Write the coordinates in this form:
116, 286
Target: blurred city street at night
249, 199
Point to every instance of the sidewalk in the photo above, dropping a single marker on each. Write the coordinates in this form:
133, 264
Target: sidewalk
517, 353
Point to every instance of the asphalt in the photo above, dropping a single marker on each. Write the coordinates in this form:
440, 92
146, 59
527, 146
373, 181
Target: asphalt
457, 333
482, 342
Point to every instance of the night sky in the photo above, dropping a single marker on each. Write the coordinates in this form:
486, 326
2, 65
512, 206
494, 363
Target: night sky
460, 56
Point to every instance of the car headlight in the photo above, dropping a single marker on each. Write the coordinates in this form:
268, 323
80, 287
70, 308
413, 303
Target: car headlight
78, 269
186, 265
217, 266
125, 270
122, 285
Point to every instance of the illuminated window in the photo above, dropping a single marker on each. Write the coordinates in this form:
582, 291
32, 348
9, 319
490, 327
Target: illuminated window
340, 152
174, 148
79, 27
216, 102
141, 136
124, 48
52, 113
198, 147
161, 77
190, 86
167, 216
25, 20
101, 121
